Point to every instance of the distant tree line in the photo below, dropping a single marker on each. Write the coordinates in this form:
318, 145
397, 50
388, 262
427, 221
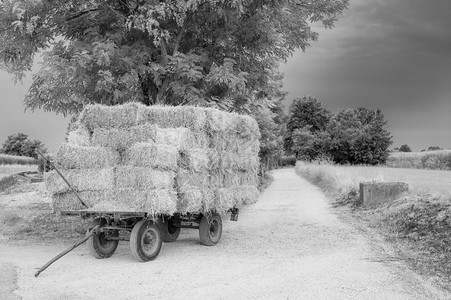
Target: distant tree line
406, 148
354, 136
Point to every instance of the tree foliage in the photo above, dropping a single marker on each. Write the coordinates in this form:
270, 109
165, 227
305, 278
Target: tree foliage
272, 126
214, 52
434, 148
307, 119
359, 136
356, 136
20, 145
405, 148
219, 53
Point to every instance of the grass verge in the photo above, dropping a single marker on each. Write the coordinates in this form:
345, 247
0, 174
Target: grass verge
418, 225
26, 215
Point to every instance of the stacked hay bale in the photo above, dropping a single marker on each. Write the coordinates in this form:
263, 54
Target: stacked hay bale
158, 159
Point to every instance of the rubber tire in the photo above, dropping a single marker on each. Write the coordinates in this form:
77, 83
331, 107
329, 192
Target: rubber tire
210, 231
169, 233
98, 246
138, 241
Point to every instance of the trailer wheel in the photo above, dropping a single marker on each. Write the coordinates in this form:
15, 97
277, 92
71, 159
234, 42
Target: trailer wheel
99, 245
169, 229
210, 230
145, 241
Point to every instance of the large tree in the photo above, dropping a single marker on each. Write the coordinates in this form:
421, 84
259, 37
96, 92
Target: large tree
215, 52
307, 118
359, 136
355, 136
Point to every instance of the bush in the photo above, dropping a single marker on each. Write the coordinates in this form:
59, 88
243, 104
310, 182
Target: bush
405, 148
287, 161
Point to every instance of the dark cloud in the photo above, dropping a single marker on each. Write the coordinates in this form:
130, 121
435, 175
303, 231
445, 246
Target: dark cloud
388, 54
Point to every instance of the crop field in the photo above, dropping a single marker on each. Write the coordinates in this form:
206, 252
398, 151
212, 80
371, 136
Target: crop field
16, 160
420, 180
436, 160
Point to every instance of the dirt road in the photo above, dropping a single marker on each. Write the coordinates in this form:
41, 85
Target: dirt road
290, 245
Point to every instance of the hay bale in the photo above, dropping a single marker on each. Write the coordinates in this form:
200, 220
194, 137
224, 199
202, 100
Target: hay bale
69, 201
181, 138
80, 136
247, 194
100, 116
186, 180
70, 156
152, 155
248, 178
235, 196
220, 121
233, 143
125, 199
208, 156
214, 157
247, 127
231, 178
216, 179
225, 198
140, 178
161, 202
208, 199
114, 206
190, 201
245, 161
190, 117
196, 159
122, 138
80, 180
128, 200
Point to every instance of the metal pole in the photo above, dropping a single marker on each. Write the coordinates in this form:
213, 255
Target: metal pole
78, 243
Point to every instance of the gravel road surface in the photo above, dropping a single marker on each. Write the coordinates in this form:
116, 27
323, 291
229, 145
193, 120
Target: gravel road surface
290, 245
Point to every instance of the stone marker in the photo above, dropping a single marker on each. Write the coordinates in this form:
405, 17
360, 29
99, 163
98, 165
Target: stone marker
373, 194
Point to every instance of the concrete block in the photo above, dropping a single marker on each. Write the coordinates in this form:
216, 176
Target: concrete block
373, 194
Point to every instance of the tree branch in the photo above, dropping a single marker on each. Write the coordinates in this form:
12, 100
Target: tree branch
179, 38
164, 51
81, 14
164, 60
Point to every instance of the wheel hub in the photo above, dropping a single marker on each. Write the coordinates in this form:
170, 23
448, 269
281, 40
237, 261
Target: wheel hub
148, 241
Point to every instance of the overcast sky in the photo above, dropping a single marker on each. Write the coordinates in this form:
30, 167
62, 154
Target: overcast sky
389, 54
